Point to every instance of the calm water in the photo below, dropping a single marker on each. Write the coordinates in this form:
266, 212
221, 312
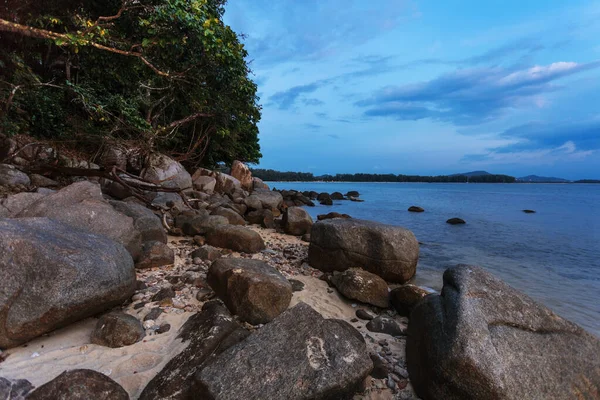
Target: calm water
553, 255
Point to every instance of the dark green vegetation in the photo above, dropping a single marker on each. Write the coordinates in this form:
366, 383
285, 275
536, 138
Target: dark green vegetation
271, 175
165, 75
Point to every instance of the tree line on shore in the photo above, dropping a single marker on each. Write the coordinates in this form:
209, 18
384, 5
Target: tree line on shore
272, 175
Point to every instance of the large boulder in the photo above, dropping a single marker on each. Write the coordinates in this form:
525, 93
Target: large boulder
389, 251
404, 298
14, 204
55, 274
204, 183
81, 205
361, 285
145, 221
482, 339
251, 289
242, 173
269, 199
16, 389
296, 221
223, 183
300, 355
233, 217
9, 175
80, 384
163, 170
206, 334
237, 238
258, 183
201, 225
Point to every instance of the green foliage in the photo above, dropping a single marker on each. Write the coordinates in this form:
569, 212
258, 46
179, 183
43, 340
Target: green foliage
167, 74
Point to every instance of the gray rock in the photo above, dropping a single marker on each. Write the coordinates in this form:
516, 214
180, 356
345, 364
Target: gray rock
236, 238
300, 355
14, 389
406, 297
81, 205
250, 288
165, 171
296, 221
253, 202
232, 217
258, 183
153, 314
145, 221
14, 204
361, 285
9, 175
155, 254
206, 253
297, 286
202, 225
364, 314
117, 329
164, 293
168, 200
55, 274
385, 325
224, 183
80, 384
204, 183
42, 181
269, 199
207, 334
389, 251
482, 339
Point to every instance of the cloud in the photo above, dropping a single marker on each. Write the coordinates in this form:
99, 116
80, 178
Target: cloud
313, 127
286, 99
470, 96
334, 136
313, 102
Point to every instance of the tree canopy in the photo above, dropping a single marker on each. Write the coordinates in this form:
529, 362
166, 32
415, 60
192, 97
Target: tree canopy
165, 75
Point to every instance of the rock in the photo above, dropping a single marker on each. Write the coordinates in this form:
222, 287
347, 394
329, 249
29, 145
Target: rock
385, 325
87, 210
207, 334
242, 173
224, 183
329, 360
14, 204
364, 314
202, 225
337, 196
361, 285
153, 314
325, 199
181, 217
165, 171
164, 328
390, 252
155, 254
205, 184
168, 200
199, 240
207, 253
352, 193
380, 367
117, 329
250, 288
269, 199
332, 215
455, 221
356, 199
236, 238
14, 389
416, 209
80, 384
11, 176
164, 293
39, 260
482, 339
253, 202
406, 297
233, 217
297, 286
258, 183
296, 221
145, 221
306, 237
42, 181
529, 211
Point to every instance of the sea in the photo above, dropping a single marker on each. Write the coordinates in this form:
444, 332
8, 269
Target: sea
552, 255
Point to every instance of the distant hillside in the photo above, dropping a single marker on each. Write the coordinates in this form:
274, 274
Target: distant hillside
473, 173
588, 181
541, 179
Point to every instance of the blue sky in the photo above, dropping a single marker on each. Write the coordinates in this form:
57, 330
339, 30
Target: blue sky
426, 87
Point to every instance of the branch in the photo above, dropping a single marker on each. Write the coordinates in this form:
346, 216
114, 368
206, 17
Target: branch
176, 124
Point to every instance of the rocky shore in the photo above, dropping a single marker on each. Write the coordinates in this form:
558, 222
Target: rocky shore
220, 288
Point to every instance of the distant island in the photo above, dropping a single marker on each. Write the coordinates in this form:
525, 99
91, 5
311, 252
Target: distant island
271, 175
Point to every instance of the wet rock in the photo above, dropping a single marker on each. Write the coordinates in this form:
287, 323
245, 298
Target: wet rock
11, 176
117, 329
337, 196
361, 285
39, 259
236, 238
406, 297
251, 289
207, 253
390, 252
14, 389
456, 221
416, 209
207, 334
529, 211
155, 254
80, 384
232, 217
332, 215
164, 171
386, 325
296, 221
352, 193
482, 339
329, 360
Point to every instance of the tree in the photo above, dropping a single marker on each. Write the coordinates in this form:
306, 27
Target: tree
163, 75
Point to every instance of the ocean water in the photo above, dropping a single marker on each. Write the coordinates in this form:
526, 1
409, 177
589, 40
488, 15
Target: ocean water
552, 255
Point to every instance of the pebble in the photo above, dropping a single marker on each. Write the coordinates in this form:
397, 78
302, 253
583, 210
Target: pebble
137, 296
164, 328
178, 304
149, 324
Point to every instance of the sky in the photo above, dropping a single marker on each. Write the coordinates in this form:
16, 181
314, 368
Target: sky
426, 87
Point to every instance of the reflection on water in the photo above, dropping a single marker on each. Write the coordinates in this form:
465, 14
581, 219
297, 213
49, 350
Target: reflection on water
552, 255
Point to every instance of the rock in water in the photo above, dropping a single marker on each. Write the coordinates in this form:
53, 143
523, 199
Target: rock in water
358, 284
300, 355
207, 333
236, 238
416, 209
389, 251
251, 289
482, 339
54, 274
296, 221
14, 389
81, 205
269, 199
456, 221
80, 384
406, 297
117, 329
